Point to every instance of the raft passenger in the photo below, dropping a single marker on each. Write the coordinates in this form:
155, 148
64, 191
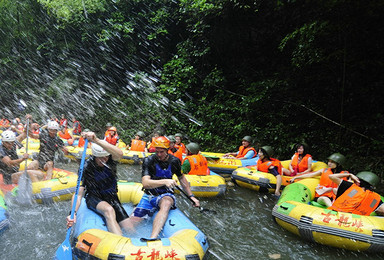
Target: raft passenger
268, 164
246, 151
301, 161
194, 163
326, 189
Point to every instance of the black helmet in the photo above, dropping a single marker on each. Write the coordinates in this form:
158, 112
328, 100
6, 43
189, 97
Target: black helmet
268, 150
247, 138
369, 177
337, 158
194, 148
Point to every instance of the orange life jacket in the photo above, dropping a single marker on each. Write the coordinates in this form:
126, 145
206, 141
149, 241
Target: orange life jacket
64, 135
4, 122
199, 164
81, 142
112, 139
326, 186
181, 147
264, 166
243, 151
302, 165
138, 145
357, 201
178, 154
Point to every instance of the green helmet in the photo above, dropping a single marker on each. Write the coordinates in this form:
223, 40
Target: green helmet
268, 150
369, 177
171, 138
179, 135
140, 133
194, 148
86, 130
108, 124
337, 158
247, 138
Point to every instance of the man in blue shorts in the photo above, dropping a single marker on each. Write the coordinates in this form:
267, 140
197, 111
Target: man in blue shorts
158, 186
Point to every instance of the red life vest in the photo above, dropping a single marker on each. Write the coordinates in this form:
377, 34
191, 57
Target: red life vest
81, 142
4, 123
63, 122
76, 127
112, 139
357, 201
138, 145
243, 151
264, 166
199, 164
302, 165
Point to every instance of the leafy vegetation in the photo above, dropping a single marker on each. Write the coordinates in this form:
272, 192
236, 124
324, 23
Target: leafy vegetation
281, 71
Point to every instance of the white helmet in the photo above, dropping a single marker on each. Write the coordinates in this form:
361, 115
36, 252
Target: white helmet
8, 136
98, 151
53, 125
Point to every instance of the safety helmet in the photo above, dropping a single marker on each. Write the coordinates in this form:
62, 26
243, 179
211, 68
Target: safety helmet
140, 133
247, 138
8, 136
87, 130
171, 138
268, 150
194, 148
98, 151
14, 122
53, 125
108, 124
179, 135
369, 177
113, 129
337, 158
161, 142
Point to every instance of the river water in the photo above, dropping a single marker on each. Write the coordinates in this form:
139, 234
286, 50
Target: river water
243, 228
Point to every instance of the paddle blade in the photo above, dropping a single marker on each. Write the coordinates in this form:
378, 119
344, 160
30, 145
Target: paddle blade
24, 195
64, 251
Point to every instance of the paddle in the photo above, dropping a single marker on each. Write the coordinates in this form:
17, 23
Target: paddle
65, 251
201, 208
24, 195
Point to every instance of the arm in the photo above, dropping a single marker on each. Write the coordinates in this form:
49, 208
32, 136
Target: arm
148, 183
9, 162
338, 177
185, 184
116, 152
70, 221
308, 175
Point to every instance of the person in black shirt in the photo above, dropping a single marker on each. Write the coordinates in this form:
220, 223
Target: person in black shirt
99, 185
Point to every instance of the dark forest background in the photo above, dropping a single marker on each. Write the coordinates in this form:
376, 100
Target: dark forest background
281, 71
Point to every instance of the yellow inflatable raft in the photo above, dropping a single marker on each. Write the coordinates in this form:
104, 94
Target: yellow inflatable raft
59, 188
219, 164
249, 177
327, 227
179, 239
211, 185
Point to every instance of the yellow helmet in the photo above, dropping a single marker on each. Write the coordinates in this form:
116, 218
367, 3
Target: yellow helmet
162, 142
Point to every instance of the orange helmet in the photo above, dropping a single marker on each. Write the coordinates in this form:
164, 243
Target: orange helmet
162, 142
112, 129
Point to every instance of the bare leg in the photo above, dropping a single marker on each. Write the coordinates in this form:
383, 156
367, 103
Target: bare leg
278, 185
130, 223
48, 167
158, 223
34, 165
286, 172
34, 175
110, 217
